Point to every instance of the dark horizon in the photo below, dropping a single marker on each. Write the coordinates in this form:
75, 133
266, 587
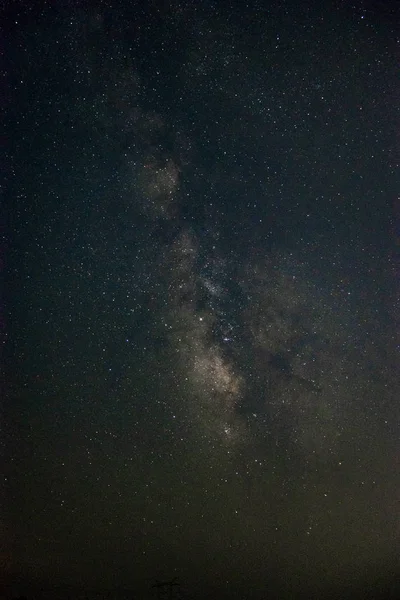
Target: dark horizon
374, 587
200, 312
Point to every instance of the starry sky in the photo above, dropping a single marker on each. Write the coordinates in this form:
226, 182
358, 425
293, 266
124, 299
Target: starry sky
200, 316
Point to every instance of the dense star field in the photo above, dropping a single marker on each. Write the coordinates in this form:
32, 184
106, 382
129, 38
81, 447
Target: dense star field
201, 309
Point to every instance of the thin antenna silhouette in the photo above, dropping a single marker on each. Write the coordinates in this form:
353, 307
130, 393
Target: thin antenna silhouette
166, 589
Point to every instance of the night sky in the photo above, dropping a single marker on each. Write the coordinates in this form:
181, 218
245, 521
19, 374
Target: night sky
201, 300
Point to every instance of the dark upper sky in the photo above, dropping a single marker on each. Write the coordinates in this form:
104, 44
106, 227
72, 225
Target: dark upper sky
200, 301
